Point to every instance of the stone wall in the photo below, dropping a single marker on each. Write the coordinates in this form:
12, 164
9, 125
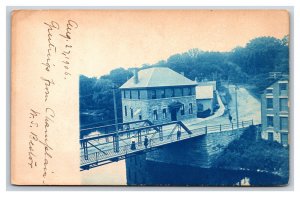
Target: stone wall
146, 108
200, 152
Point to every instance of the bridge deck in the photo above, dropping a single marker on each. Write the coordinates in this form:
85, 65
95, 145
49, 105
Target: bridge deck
102, 149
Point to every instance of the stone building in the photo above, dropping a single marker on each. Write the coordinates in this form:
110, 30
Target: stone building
275, 112
158, 94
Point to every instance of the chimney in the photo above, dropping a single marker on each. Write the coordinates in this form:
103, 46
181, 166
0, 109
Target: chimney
182, 73
196, 79
135, 76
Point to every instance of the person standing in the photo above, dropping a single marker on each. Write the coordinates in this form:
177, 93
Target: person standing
230, 118
133, 146
146, 142
178, 134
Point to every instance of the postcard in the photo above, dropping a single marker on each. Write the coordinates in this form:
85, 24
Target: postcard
150, 97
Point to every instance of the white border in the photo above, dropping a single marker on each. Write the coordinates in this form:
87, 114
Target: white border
154, 3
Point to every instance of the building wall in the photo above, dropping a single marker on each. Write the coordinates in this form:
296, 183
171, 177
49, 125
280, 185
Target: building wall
273, 92
207, 103
146, 107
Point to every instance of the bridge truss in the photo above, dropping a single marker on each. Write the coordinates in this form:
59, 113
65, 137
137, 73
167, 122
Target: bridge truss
101, 149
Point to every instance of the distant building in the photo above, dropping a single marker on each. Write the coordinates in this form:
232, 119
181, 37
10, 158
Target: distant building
205, 98
158, 94
275, 112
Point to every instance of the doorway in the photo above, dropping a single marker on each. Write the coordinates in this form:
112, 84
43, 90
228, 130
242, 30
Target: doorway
173, 115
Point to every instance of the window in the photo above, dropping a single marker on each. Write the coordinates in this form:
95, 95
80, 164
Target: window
130, 95
163, 93
140, 117
182, 110
269, 91
270, 121
131, 112
153, 94
283, 104
139, 94
190, 91
284, 138
190, 108
164, 113
182, 92
284, 123
283, 89
124, 92
173, 92
282, 86
125, 110
155, 117
269, 103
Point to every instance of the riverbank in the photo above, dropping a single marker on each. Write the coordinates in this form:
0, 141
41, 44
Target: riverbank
254, 154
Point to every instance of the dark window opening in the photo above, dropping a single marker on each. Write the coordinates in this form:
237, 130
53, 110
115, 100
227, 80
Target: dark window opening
164, 113
269, 103
163, 93
155, 117
153, 94
182, 110
190, 108
284, 123
125, 110
131, 112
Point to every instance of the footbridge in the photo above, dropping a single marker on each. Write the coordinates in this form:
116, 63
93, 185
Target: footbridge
128, 141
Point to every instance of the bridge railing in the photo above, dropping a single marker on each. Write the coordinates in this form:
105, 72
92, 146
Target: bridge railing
106, 129
125, 148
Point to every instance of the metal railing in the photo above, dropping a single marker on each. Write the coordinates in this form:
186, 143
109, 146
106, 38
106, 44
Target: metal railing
104, 150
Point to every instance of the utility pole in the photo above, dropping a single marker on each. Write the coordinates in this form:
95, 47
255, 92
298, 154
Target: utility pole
116, 120
236, 108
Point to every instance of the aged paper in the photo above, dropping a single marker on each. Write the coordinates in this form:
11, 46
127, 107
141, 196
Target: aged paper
51, 48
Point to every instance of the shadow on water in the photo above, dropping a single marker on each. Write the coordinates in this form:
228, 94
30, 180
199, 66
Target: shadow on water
175, 175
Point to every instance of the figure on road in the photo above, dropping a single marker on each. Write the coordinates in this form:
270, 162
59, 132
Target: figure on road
230, 118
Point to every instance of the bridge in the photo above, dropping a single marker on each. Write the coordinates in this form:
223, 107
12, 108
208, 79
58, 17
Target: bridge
108, 147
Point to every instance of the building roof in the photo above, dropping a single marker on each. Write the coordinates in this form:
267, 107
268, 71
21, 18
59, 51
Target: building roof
282, 78
204, 92
158, 77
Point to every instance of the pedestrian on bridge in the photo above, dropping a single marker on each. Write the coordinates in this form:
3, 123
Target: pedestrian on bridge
133, 146
146, 141
178, 134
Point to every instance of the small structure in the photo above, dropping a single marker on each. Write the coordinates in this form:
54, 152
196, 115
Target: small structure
205, 99
275, 112
158, 94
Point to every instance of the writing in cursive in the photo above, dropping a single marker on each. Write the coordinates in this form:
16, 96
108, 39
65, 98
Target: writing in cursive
51, 47
48, 83
49, 118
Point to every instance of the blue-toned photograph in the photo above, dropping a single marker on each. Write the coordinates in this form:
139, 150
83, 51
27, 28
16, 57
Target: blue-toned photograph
187, 98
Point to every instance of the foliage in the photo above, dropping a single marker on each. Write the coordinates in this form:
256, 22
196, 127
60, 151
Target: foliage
252, 154
249, 64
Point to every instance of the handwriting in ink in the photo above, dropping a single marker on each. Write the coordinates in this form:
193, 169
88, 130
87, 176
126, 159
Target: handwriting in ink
48, 83
51, 47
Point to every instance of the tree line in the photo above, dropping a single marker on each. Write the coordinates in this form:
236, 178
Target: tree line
250, 64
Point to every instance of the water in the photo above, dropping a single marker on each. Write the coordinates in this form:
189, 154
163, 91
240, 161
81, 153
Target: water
175, 175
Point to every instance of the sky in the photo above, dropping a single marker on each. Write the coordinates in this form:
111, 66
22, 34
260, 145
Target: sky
113, 39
